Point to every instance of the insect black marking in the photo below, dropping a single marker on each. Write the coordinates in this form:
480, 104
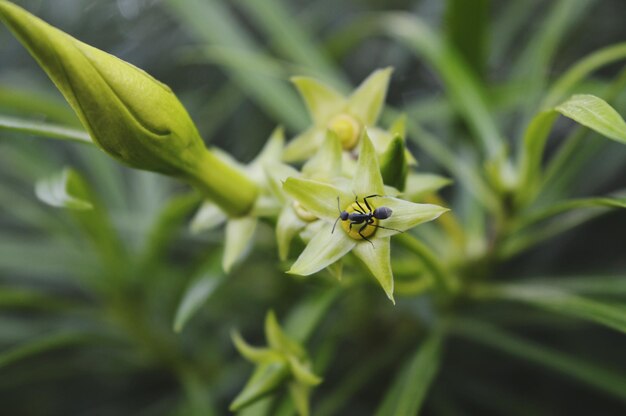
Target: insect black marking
365, 216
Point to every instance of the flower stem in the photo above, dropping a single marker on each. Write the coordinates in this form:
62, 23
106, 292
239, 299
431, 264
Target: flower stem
225, 185
444, 281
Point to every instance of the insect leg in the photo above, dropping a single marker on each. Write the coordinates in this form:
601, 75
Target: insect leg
361, 233
356, 200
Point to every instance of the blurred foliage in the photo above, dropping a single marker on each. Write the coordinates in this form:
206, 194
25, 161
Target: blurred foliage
90, 299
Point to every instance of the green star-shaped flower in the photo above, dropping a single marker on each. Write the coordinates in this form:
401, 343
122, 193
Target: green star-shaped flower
240, 230
283, 362
369, 242
324, 166
348, 117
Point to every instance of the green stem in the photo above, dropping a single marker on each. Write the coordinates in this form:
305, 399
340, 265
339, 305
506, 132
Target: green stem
225, 185
444, 281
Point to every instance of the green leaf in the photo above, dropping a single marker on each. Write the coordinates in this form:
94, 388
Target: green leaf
464, 89
467, 25
595, 113
64, 190
196, 294
275, 18
303, 319
41, 345
587, 373
407, 394
582, 69
212, 22
619, 201
588, 110
43, 129
560, 301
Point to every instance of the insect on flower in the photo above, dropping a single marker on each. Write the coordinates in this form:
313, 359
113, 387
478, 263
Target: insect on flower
365, 216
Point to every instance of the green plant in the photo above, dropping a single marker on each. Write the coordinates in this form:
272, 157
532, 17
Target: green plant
456, 278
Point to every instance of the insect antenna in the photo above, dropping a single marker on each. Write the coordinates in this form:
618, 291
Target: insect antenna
338, 209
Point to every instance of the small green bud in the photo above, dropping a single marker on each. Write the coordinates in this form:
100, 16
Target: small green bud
393, 164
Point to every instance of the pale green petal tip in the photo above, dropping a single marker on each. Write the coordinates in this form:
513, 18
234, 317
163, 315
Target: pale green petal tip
302, 373
273, 148
367, 100
367, 177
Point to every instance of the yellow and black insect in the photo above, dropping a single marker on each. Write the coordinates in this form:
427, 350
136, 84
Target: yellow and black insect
365, 216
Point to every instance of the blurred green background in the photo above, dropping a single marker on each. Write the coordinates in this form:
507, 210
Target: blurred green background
81, 334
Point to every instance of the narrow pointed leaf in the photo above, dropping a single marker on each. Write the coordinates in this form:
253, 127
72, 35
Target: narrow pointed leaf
43, 129
560, 301
195, 296
595, 113
408, 391
591, 374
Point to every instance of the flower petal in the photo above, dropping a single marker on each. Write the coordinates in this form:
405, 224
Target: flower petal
286, 228
368, 99
239, 233
324, 249
208, 217
318, 197
404, 215
303, 373
278, 340
326, 163
273, 148
377, 259
254, 354
304, 145
420, 184
321, 100
276, 174
367, 177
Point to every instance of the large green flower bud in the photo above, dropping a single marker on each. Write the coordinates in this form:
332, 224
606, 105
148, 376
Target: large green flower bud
130, 115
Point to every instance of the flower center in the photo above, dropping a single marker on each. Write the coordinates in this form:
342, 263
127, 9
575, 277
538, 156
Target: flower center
303, 213
347, 128
364, 229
